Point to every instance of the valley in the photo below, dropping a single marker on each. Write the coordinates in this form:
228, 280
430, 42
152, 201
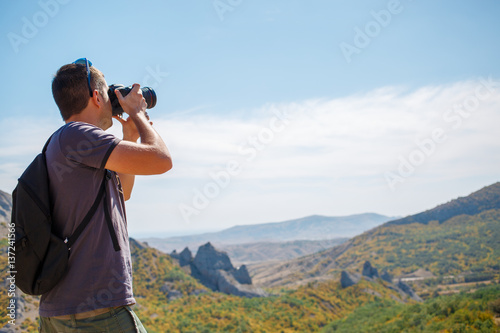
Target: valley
434, 271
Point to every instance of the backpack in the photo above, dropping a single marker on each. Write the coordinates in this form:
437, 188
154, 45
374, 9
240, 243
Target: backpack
41, 257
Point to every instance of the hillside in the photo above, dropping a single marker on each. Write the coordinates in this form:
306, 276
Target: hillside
28, 311
485, 199
5, 205
157, 273
157, 280
462, 244
464, 312
5, 209
308, 228
306, 309
169, 300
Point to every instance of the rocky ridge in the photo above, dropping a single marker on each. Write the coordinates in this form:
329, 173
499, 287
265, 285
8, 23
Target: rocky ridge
214, 269
370, 273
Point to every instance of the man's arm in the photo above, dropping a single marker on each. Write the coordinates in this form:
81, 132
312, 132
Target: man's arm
127, 182
151, 155
130, 133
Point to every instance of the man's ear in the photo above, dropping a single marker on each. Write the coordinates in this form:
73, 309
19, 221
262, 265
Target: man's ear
98, 99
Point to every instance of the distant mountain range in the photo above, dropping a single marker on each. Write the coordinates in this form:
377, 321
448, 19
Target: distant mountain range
314, 227
262, 242
249, 253
459, 237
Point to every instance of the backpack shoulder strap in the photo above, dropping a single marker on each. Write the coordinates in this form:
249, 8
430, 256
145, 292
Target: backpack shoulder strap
111, 229
86, 220
46, 145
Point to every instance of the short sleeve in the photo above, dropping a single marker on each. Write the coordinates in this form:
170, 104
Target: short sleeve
87, 144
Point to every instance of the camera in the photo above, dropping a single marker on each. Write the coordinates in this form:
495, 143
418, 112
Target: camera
148, 94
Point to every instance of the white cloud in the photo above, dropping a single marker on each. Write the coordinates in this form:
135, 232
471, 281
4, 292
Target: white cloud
368, 131
329, 157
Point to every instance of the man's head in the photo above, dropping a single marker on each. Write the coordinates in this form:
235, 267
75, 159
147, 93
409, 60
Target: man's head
70, 88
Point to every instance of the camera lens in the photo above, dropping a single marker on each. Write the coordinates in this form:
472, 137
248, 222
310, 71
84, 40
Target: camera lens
150, 97
147, 92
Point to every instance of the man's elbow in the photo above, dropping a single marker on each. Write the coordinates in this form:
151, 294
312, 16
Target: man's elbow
164, 165
167, 166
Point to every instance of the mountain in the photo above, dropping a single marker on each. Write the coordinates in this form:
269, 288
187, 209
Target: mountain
5, 210
251, 253
5, 205
485, 199
314, 227
462, 245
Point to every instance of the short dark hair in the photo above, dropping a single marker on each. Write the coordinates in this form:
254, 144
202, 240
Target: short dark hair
70, 88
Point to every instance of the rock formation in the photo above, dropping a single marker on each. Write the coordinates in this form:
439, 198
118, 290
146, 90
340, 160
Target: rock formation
213, 269
185, 257
370, 273
242, 276
408, 291
349, 279
386, 276
369, 270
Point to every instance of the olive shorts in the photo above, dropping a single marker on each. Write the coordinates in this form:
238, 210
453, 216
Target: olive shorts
117, 320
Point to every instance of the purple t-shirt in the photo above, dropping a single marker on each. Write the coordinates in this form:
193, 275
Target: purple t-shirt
97, 276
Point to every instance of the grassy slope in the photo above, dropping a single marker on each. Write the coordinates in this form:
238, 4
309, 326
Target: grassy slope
461, 244
153, 269
306, 309
457, 313
309, 308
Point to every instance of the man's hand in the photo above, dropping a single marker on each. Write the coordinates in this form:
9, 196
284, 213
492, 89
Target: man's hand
151, 155
134, 102
130, 132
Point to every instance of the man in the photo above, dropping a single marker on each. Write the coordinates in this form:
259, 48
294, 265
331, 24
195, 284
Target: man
95, 294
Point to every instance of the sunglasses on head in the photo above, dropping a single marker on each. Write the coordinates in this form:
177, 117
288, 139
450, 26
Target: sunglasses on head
88, 64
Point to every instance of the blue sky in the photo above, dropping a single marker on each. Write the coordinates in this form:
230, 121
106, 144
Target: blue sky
318, 107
